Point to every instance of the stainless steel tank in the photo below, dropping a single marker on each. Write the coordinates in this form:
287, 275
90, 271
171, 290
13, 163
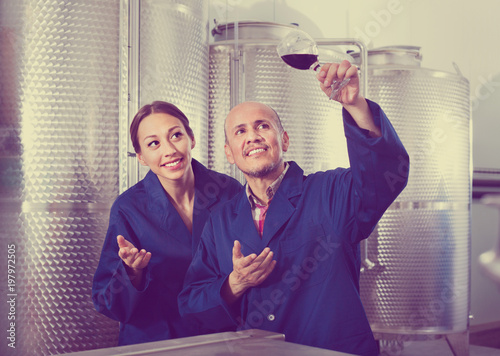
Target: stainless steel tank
72, 75
419, 284
59, 169
172, 52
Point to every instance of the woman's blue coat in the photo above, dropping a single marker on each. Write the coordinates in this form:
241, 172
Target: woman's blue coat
145, 217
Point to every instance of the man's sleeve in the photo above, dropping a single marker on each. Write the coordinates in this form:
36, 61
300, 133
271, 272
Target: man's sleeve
112, 291
201, 299
379, 167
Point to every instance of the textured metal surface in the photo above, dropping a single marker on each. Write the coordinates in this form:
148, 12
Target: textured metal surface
59, 159
174, 61
420, 282
313, 122
125, 102
218, 106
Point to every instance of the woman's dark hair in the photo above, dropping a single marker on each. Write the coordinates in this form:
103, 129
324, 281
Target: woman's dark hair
154, 108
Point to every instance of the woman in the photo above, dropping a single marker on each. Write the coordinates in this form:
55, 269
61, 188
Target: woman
154, 229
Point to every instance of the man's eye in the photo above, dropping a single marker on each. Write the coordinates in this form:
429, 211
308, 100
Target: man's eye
177, 135
153, 144
239, 132
263, 126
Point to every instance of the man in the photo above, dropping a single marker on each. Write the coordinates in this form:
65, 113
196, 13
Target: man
295, 261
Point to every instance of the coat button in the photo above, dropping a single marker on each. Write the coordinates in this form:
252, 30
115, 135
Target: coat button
271, 317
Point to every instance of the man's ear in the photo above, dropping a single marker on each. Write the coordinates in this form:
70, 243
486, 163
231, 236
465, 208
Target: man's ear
193, 142
229, 154
286, 141
140, 159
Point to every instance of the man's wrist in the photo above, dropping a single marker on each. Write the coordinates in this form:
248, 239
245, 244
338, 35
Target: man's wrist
363, 117
135, 276
358, 104
232, 291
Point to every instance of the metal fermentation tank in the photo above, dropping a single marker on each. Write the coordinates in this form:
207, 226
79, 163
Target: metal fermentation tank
73, 74
419, 283
169, 62
59, 82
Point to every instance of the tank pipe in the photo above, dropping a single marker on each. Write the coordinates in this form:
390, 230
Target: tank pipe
134, 13
365, 261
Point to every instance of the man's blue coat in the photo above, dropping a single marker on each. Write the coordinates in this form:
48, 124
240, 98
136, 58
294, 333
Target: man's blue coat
314, 225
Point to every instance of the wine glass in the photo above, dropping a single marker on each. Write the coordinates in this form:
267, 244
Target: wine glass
299, 50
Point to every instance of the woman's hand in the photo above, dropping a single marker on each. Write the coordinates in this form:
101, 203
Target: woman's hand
134, 259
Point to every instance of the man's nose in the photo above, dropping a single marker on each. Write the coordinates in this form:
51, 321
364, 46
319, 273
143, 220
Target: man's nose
253, 136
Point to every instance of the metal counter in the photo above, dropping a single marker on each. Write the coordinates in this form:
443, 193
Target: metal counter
247, 342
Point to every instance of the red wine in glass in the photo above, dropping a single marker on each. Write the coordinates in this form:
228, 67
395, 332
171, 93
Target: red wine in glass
299, 51
300, 61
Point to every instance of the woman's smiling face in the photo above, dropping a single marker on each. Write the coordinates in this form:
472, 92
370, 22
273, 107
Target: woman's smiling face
165, 146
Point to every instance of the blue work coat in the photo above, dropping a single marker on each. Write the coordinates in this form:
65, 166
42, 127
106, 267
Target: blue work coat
313, 225
145, 217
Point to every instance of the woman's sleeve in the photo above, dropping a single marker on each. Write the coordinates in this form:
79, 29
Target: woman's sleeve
112, 291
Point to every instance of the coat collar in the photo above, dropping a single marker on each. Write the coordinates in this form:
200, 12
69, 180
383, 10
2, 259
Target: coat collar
280, 210
207, 189
291, 185
205, 197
